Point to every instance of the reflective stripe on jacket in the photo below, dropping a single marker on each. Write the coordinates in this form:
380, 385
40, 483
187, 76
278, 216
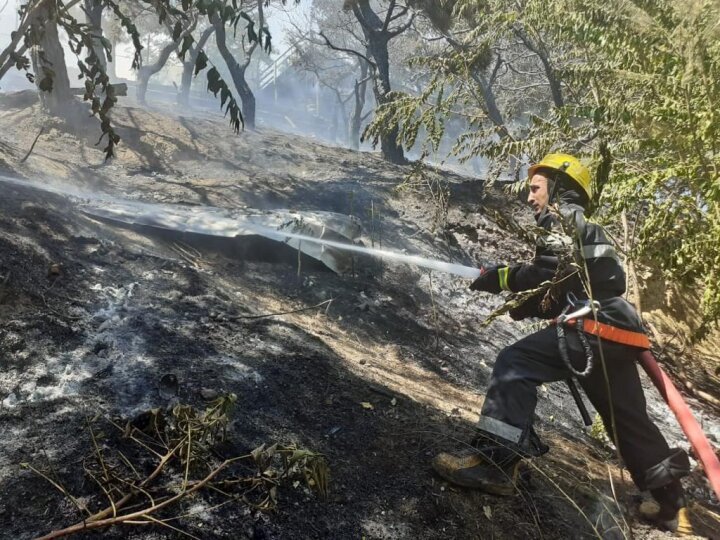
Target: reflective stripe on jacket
607, 277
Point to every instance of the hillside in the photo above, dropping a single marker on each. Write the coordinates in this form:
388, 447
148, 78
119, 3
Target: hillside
96, 316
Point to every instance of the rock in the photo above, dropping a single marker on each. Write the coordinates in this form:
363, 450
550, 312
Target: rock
209, 394
10, 401
168, 386
53, 271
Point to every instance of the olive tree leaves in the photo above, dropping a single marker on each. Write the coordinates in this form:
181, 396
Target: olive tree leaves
82, 38
216, 84
639, 85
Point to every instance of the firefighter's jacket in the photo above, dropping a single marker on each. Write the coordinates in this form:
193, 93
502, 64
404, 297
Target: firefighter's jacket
607, 277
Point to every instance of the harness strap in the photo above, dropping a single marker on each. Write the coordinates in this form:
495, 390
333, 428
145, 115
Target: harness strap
613, 333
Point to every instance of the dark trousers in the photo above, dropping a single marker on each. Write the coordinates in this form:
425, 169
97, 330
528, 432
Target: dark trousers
521, 367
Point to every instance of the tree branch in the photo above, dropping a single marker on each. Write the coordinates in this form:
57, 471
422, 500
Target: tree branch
87, 525
400, 14
361, 19
9, 64
400, 29
525, 87
19, 33
347, 51
366, 115
32, 146
540, 50
498, 63
388, 16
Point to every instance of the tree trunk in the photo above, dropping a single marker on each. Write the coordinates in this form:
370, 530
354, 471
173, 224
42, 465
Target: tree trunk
391, 150
147, 71
247, 98
143, 78
338, 114
112, 65
332, 136
377, 40
491, 107
237, 72
359, 94
48, 59
93, 17
343, 117
183, 97
540, 50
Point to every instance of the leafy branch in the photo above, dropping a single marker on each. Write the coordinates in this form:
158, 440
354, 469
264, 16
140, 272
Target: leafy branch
181, 442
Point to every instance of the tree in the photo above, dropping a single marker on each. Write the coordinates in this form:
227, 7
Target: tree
93, 17
146, 71
631, 86
48, 58
115, 35
378, 33
238, 69
346, 76
183, 97
38, 30
359, 93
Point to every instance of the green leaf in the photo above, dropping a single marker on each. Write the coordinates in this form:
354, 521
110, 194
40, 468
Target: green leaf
224, 95
46, 83
201, 62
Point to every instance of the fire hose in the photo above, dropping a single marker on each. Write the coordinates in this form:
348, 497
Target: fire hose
694, 433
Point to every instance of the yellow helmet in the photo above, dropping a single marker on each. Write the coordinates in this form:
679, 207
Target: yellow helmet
568, 164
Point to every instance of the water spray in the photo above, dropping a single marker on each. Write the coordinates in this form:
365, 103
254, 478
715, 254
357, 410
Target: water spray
216, 222
415, 260
212, 221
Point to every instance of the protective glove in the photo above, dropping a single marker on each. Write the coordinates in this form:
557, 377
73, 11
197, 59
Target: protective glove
493, 279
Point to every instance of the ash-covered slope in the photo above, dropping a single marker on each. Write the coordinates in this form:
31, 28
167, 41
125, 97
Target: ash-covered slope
377, 369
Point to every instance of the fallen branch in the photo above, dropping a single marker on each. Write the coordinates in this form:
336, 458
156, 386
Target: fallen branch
187, 437
57, 486
237, 317
42, 130
87, 525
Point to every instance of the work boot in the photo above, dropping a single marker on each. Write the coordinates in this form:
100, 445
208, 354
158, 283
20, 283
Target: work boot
669, 510
494, 471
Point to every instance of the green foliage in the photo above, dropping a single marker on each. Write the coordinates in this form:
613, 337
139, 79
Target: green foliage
598, 431
183, 448
97, 82
81, 41
652, 95
130, 28
638, 101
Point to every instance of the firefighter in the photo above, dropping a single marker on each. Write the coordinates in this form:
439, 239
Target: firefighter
505, 430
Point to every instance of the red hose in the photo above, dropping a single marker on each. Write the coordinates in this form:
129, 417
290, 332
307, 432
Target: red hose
687, 421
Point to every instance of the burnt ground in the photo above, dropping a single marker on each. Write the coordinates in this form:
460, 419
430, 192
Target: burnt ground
378, 381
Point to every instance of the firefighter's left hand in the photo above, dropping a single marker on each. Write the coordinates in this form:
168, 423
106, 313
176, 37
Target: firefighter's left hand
489, 280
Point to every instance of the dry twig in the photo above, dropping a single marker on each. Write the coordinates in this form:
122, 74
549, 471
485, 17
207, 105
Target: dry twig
42, 130
265, 315
182, 441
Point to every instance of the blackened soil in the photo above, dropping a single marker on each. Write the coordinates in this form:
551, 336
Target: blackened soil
378, 381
